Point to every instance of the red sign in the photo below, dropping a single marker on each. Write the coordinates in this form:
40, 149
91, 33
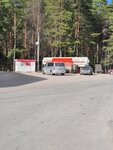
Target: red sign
25, 60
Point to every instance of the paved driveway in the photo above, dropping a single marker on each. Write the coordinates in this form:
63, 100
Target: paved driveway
69, 112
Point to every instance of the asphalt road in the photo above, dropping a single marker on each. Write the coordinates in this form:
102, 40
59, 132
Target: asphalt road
42, 112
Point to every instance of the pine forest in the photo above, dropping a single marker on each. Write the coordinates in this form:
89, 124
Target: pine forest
66, 28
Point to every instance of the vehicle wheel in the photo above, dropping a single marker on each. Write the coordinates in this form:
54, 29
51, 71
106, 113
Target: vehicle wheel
43, 72
51, 72
62, 74
111, 72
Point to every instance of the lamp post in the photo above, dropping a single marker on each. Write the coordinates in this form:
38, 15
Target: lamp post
37, 51
14, 47
38, 35
97, 53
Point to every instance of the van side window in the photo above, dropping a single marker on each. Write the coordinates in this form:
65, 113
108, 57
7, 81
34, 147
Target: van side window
50, 64
59, 64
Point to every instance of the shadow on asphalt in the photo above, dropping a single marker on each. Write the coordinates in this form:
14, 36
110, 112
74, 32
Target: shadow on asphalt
11, 79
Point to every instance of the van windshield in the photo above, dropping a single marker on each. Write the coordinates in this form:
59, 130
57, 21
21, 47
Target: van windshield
59, 64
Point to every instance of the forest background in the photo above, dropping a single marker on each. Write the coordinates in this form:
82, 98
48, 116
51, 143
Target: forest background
66, 28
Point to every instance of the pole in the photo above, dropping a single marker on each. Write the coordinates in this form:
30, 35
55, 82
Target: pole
105, 63
14, 47
97, 52
38, 37
38, 47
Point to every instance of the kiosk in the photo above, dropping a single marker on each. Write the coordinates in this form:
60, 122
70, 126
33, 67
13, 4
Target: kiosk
25, 65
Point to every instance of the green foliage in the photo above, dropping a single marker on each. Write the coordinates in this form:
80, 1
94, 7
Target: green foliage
19, 53
108, 42
70, 52
56, 25
70, 26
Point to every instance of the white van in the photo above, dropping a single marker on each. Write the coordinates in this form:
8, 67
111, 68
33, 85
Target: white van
54, 68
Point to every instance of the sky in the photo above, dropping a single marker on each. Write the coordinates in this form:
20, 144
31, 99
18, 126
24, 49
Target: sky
109, 1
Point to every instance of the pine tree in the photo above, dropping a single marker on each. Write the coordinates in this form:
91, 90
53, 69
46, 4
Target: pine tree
108, 40
81, 26
99, 11
56, 25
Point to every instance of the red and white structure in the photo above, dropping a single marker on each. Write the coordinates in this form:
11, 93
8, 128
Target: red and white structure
68, 61
25, 65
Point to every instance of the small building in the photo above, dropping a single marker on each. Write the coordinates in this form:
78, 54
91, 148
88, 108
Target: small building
25, 65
